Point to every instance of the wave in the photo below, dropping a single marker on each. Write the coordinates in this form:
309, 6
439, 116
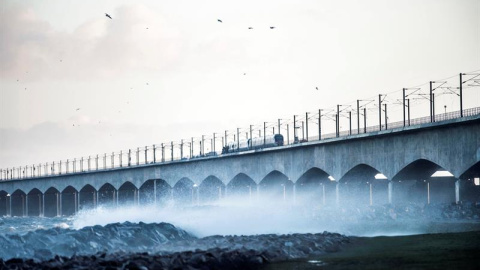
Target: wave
116, 237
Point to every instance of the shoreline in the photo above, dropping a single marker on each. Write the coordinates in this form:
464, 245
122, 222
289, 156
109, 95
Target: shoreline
451, 250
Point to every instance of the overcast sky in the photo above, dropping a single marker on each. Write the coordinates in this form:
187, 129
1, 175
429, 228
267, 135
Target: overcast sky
74, 82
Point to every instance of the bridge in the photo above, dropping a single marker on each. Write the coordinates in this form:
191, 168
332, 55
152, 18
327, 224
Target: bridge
378, 166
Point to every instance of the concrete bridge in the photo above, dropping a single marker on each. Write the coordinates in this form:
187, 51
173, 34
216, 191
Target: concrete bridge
379, 167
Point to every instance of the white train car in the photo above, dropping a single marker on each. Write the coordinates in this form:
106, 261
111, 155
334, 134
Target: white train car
255, 143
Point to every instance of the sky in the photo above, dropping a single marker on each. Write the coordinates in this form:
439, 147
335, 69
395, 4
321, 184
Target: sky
75, 83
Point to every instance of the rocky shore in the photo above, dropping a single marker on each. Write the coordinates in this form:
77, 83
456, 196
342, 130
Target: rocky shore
214, 252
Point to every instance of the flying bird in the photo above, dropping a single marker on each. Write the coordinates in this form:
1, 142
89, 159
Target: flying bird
219, 20
78, 109
316, 88
108, 16
250, 27
272, 27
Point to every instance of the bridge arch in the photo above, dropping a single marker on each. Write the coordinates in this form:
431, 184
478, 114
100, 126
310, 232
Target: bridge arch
69, 201
107, 195
52, 202
276, 186
34, 202
4, 203
87, 197
184, 191
155, 191
211, 189
242, 186
127, 194
18, 199
360, 187
415, 183
469, 187
315, 187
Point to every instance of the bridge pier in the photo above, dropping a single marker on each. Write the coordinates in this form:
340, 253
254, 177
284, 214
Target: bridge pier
26, 206
390, 192
457, 190
294, 194
337, 193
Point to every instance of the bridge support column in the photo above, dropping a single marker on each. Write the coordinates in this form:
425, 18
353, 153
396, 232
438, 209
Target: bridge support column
39, 205
457, 190
43, 204
294, 194
138, 196
75, 203
225, 195
116, 197
337, 193
26, 205
61, 204
198, 196
258, 191
390, 191
155, 192
323, 194
78, 201
10, 205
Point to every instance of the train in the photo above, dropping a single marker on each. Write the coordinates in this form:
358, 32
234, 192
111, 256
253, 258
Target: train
252, 144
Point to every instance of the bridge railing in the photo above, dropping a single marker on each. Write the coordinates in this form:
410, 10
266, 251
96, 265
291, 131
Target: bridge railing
163, 153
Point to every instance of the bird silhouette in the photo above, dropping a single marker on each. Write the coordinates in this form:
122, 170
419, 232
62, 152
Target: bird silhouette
316, 88
78, 109
219, 20
108, 16
272, 27
250, 27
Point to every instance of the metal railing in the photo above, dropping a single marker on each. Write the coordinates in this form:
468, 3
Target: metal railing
164, 153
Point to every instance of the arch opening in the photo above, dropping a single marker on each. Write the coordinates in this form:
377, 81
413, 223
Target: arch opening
34, 203
155, 191
185, 192
4, 203
51, 202
18, 207
470, 184
87, 197
69, 201
107, 195
276, 186
211, 190
127, 194
242, 186
415, 183
361, 186
315, 187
